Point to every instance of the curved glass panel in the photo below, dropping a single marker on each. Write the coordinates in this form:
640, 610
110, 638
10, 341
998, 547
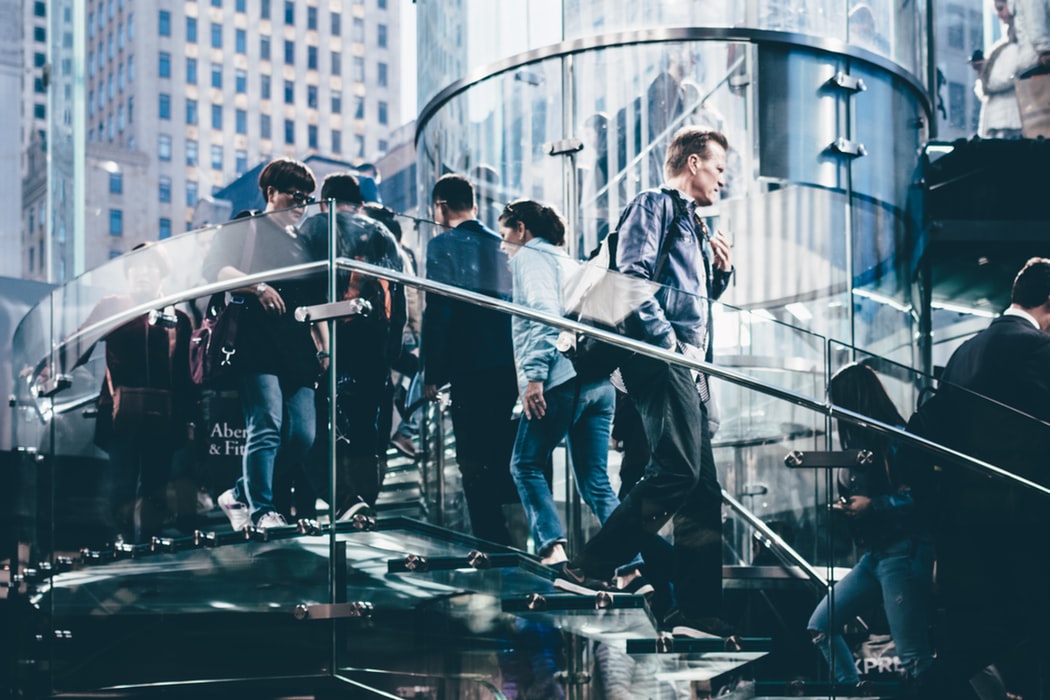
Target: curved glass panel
479, 34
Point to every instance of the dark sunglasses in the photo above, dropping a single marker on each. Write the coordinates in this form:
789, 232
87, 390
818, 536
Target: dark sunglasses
299, 197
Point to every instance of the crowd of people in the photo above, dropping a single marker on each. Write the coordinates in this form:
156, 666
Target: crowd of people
488, 361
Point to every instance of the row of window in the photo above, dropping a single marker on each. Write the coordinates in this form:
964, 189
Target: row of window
116, 227
241, 116
357, 29
108, 49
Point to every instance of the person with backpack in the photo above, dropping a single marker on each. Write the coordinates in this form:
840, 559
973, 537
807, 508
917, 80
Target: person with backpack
367, 343
662, 240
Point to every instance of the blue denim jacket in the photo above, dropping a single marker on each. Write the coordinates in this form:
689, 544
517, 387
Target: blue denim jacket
536, 272
679, 310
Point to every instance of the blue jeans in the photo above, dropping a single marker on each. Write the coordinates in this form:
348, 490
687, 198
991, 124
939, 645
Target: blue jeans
280, 423
587, 420
898, 576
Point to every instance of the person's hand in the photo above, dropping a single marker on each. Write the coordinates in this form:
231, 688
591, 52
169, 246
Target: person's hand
532, 402
722, 252
270, 300
853, 505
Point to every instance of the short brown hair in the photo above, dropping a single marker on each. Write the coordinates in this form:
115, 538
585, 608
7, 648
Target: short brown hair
687, 141
1032, 284
455, 191
286, 174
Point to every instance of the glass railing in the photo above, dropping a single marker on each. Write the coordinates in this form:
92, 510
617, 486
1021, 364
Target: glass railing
350, 594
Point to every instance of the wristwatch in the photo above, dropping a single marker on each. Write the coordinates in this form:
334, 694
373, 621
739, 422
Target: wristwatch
260, 288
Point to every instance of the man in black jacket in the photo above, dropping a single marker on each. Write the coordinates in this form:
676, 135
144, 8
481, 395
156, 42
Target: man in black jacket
663, 239
993, 403
469, 347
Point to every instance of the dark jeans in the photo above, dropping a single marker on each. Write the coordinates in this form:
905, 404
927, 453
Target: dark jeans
680, 482
482, 411
141, 465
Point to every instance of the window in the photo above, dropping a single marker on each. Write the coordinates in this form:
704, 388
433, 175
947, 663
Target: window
289, 12
337, 141
39, 35
289, 52
240, 41
381, 36
164, 228
311, 18
381, 78
359, 107
381, 4
191, 153
337, 102
240, 80
91, 103
164, 147
264, 126
241, 121
191, 29
191, 193
337, 24
40, 111
382, 146
216, 36
311, 96
120, 78
956, 21
311, 136
359, 69
216, 156
216, 76
131, 68
359, 141
264, 9
164, 23
131, 112
240, 159
311, 57
191, 112
191, 71
264, 48
164, 105
216, 3
957, 105
116, 222
216, 116
289, 131
264, 86
116, 183
40, 8
240, 6
357, 30
337, 63
164, 188
164, 64
289, 92
381, 112
38, 86
131, 27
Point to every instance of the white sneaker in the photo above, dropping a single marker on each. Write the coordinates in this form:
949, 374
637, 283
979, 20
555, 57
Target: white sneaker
270, 519
237, 512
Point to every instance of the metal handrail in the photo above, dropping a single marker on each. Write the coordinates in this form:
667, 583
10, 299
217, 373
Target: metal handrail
825, 408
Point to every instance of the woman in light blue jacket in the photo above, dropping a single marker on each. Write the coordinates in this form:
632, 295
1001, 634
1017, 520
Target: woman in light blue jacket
554, 402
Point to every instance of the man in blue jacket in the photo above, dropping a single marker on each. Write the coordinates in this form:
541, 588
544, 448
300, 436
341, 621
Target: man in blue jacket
663, 240
469, 347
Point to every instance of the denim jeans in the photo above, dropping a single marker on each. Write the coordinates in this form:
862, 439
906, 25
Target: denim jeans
898, 576
280, 423
587, 420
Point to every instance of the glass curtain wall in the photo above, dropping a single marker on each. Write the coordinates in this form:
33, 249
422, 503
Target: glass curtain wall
824, 106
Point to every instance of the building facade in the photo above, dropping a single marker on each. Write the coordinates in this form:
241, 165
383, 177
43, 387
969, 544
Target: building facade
202, 92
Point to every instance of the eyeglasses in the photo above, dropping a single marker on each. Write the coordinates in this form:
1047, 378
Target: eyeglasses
299, 197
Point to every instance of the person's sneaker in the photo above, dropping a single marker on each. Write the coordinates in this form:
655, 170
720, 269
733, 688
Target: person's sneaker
270, 519
205, 503
638, 585
698, 627
358, 508
404, 444
573, 580
237, 512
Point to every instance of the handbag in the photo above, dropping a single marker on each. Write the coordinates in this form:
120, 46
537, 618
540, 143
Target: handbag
1032, 88
596, 294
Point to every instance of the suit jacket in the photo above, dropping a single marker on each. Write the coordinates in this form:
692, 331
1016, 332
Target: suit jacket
460, 339
1009, 363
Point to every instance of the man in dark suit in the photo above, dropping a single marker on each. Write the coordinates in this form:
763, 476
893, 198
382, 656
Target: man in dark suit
469, 347
994, 404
